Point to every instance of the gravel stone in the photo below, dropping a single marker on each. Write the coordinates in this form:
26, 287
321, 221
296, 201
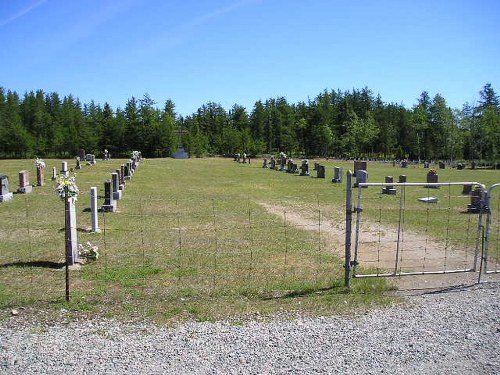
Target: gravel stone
452, 332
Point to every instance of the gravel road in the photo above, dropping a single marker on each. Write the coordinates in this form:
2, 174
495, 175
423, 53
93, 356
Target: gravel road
451, 332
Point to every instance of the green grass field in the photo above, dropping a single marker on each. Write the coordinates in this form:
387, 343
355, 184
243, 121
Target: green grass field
195, 239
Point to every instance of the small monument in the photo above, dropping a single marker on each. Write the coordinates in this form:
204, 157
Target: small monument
361, 177
389, 189
304, 168
337, 175
117, 193
24, 183
432, 178
109, 203
264, 164
320, 171
5, 194
476, 206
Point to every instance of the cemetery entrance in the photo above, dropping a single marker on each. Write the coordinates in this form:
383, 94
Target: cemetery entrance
417, 229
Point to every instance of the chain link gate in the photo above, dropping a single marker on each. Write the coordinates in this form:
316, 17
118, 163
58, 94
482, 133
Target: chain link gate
429, 229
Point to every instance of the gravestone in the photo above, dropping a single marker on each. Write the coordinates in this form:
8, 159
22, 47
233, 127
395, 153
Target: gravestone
402, 179
273, 162
389, 189
5, 194
361, 177
122, 175
54, 173
117, 193
304, 168
40, 176
181, 154
467, 189
126, 172
78, 163
120, 179
460, 166
475, 202
315, 166
130, 169
320, 171
81, 154
337, 175
109, 203
70, 231
264, 165
94, 210
404, 164
432, 177
282, 161
360, 165
442, 165
24, 183
426, 164
64, 169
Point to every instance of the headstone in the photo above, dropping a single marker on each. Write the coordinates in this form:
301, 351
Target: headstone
81, 154
475, 202
473, 165
64, 169
54, 173
389, 189
467, 189
71, 232
360, 165
304, 168
337, 175
361, 177
320, 171
432, 177
404, 164
282, 161
315, 166
426, 164
402, 179
40, 176
92, 159
181, 154
264, 165
244, 158
120, 179
126, 172
78, 163
94, 210
273, 162
5, 194
117, 193
460, 166
442, 165
109, 203
24, 183
122, 175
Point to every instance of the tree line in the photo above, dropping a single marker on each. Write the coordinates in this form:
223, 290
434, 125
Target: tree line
344, 124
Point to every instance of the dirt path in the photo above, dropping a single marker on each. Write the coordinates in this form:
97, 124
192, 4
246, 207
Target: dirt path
378, 245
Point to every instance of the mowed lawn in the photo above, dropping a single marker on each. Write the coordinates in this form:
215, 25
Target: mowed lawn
205, 239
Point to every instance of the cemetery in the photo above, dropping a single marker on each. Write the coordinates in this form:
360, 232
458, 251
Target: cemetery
203, 228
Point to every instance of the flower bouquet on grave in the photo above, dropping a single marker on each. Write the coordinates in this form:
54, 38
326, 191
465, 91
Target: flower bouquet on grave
66, 187
89, 251
432, 172
39, 163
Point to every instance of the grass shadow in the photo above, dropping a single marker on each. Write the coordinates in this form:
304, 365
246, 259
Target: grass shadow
36, 263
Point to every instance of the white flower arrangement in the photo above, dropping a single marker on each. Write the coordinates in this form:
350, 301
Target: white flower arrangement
66, 187
39, 163
88, 251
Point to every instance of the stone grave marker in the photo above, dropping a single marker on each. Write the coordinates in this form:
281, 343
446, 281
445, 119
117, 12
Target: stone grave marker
54, 173
71, 232
304, 168
442, 165
426, 164
475, 202
109, 203
360, 165
320, 171
337, 175
94, 210
126, 172
78, 163
120, 182
81, 154
5, 194
402, 179
432, 177
361, 177
389, 189
117, 193
273, 162
40, 176
404, 164
264, 165
64, 169
24, 183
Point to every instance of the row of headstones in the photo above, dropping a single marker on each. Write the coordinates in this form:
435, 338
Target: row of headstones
25, 186
241, 158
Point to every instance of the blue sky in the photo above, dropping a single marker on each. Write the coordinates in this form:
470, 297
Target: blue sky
240, 51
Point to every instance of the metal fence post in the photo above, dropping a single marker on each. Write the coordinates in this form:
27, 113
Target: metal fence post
348, 229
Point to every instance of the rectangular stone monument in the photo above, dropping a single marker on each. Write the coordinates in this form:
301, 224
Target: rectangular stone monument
24, 183
78, 163
432, 178
360, 165
109, 203
94, 210
304, 168
64, 169
402, 179
320, 171
71, 231
54, 173
361, 177
40, 176
126, 172
122, 175
475, 205
426, 164
81, 154
389, 189
117, 193
442, 165
5, 194
120, 179
337, 175
404, 164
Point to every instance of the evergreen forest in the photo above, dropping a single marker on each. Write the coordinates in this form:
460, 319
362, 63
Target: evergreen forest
350, 124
